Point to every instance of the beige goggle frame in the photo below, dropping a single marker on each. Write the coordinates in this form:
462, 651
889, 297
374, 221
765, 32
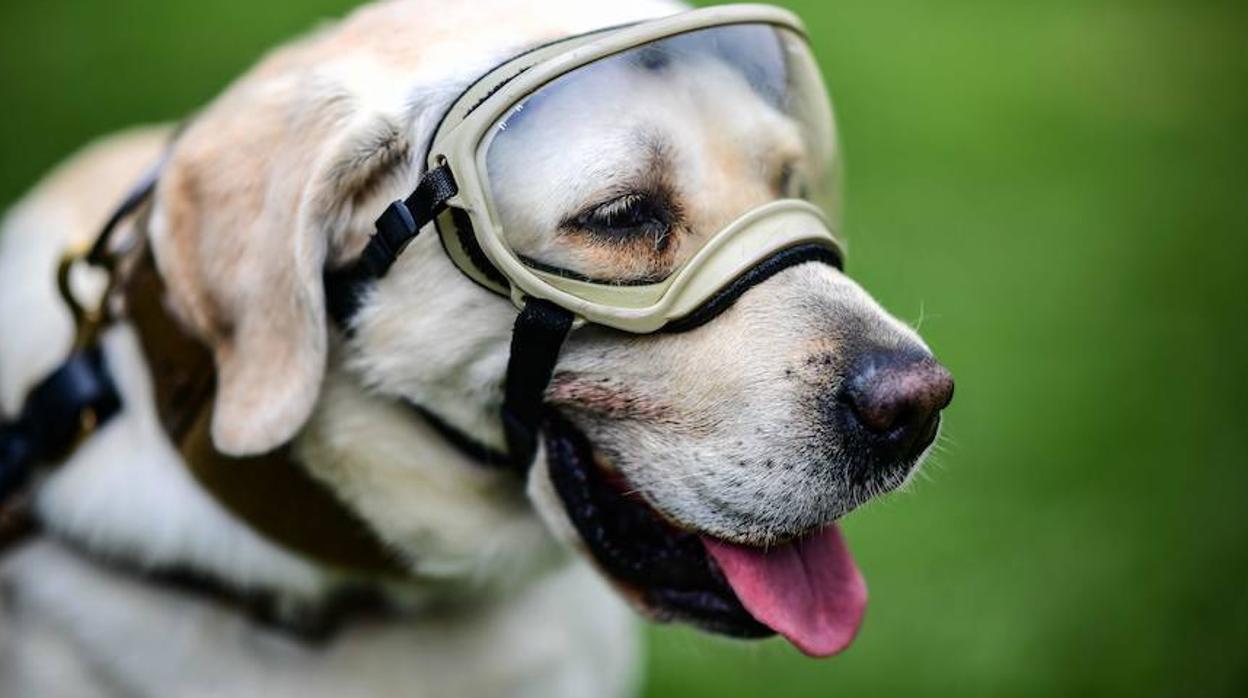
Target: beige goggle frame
459, 143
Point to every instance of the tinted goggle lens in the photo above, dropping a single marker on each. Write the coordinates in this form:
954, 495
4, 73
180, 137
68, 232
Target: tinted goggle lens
619, 172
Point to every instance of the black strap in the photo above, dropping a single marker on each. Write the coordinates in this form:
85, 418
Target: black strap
465, 444
398, 225
139, 194
79, 393
536, 340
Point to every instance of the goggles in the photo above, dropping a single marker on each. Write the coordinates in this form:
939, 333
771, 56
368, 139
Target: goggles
638, 177
631, 126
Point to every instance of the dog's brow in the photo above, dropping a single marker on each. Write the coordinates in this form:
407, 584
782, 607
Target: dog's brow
657, 149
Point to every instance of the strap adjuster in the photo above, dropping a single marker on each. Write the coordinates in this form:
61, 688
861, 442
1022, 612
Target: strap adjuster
397, 226
395, 229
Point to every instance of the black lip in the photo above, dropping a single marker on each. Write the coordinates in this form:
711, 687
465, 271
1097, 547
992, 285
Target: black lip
666, 567
927, 436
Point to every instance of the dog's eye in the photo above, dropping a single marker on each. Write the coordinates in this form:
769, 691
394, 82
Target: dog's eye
629, 217
790, 183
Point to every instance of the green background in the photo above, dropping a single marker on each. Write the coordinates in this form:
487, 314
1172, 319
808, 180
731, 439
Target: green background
1056, 191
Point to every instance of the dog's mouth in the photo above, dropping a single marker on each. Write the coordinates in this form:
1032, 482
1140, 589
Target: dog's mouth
809, 590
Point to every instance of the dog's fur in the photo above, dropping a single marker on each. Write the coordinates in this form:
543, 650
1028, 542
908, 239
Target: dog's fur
279, 177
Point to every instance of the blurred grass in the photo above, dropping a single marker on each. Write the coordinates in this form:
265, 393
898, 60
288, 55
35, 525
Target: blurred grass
1057, 192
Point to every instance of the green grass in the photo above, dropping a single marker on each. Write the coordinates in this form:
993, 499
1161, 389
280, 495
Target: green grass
1057, 191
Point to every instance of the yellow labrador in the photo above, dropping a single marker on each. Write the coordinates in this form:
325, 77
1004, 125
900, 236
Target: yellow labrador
720, 446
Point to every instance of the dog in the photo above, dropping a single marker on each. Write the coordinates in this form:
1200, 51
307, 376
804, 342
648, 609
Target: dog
754, 432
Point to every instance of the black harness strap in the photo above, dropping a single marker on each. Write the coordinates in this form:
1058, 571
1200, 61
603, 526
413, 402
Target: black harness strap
78, 395
139, 194
465, 444
398, 225
536, 340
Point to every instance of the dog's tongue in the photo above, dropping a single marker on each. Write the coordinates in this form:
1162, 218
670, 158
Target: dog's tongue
809, 591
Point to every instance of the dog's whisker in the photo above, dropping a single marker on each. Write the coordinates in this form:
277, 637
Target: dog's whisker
946, 442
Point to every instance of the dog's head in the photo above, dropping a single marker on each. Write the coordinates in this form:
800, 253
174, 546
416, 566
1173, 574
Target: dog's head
702, 470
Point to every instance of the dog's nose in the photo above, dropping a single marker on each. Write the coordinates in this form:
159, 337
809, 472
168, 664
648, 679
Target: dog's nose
896, 398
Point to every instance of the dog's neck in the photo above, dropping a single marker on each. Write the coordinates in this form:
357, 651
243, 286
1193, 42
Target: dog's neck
443, 512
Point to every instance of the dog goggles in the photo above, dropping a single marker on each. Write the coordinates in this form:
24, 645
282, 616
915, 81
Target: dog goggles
639, 177
670, 157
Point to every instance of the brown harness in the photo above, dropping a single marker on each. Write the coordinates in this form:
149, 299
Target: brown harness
273, 493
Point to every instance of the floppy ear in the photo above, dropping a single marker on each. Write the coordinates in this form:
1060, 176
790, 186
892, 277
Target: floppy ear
254, 196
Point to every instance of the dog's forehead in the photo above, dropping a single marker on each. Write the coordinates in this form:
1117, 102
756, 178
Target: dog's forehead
458, 41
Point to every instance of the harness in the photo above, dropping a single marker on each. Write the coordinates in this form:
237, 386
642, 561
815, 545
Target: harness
272, 493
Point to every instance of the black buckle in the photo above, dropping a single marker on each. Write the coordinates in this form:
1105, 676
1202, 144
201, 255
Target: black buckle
395, 229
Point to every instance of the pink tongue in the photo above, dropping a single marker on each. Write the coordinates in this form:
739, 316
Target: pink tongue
809, 591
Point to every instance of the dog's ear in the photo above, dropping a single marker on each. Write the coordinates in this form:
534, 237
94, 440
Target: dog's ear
253, 199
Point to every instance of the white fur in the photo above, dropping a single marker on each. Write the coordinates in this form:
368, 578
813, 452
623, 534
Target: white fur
565, 637
448, 515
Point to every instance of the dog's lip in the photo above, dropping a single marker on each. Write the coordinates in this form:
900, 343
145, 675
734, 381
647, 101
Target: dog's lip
661, 565
613, 478
621, 484
928, 436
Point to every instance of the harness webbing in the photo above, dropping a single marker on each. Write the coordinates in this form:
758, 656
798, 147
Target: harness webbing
397, 226
272, 492
536, 340
74, 398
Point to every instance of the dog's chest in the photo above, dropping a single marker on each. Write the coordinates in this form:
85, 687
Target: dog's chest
70, 627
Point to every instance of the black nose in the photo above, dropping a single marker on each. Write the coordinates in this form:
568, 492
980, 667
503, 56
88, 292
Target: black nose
895, 398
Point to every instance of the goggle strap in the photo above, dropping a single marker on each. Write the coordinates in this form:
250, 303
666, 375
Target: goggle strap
536, 340
397, 226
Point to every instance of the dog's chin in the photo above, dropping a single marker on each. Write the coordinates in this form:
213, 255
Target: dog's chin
664, 570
